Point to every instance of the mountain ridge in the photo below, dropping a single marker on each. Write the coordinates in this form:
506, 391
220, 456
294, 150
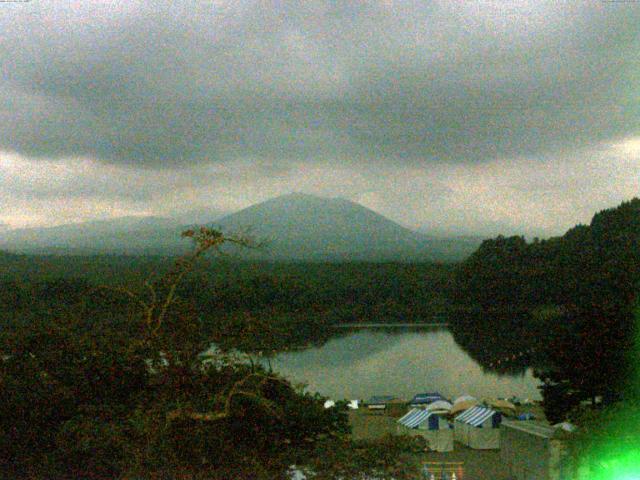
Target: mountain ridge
308, 227
295, 226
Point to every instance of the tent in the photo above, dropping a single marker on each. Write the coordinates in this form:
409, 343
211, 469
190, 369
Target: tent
429, 425
440, 406
464, 398
423, 399
459, 407
479, 428
503, 406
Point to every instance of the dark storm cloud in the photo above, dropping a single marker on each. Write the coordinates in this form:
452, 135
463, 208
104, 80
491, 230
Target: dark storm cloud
182, 82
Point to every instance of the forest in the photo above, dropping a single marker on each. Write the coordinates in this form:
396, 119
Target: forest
575, 297
297, 302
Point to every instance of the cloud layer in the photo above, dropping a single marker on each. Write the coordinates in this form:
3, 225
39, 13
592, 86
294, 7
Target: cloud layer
172, 83
483, 116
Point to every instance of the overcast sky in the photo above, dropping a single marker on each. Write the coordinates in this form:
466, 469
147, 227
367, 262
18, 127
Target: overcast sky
479, 116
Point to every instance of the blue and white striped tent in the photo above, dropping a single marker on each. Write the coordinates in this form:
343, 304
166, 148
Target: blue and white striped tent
478, 427
478, 416
432, 427
418, 418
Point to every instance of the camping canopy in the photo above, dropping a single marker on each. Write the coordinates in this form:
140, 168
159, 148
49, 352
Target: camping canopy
423, 419
462, 406
439, 406
464, 398
414, 418
429, 425
477, 416
478, 428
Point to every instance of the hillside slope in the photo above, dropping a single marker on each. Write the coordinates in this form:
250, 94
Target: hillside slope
307, 227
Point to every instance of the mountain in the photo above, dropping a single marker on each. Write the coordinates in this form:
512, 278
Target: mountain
306, 227
295, 227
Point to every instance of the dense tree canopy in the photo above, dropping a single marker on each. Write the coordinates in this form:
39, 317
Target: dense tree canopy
590, 275
113, 381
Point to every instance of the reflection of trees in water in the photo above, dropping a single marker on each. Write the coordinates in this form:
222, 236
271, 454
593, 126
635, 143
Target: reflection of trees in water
333, 333
502, 344
506, 344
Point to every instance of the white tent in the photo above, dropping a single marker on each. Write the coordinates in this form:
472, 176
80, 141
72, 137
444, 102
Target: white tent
464, 398
463, 405
479, 428
440, 406
429, 425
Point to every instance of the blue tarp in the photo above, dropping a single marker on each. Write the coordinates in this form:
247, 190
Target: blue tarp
526, 416
426, 398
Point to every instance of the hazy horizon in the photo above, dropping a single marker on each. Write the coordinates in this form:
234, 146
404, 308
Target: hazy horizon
199, 216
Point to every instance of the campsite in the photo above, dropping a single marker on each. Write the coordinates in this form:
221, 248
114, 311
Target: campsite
471, 442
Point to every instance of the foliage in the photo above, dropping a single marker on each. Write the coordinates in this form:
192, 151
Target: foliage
607, 443
114, 385
296, 304
392, 457
591, 274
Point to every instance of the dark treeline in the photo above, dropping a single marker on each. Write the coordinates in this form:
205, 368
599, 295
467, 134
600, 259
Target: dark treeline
296, 304
578, 292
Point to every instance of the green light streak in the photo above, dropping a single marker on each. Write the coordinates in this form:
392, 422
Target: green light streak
613, 464
615, 453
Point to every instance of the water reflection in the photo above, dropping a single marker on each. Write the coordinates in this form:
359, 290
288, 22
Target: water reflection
400, 362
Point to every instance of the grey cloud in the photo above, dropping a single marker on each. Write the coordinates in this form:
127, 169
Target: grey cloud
95, 189
162, 83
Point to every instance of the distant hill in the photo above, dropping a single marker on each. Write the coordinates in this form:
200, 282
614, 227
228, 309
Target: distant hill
295, 227
124, 235
306, 227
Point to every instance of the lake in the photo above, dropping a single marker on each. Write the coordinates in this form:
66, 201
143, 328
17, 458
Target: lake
402, 362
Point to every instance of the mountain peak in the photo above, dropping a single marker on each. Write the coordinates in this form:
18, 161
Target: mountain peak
301, 226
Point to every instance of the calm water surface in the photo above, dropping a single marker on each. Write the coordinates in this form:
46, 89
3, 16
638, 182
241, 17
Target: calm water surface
399, 362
